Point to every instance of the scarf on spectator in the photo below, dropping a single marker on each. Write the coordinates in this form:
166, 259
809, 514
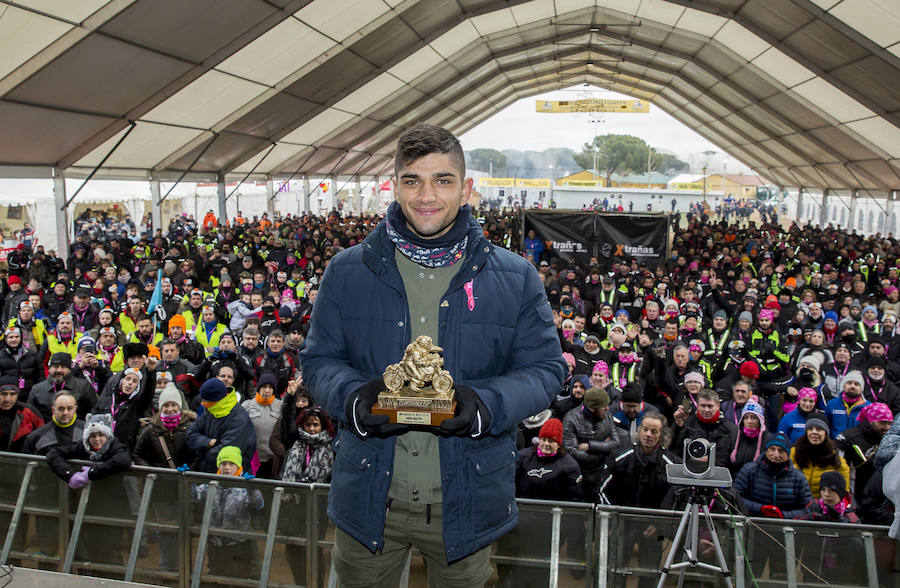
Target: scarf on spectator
442, 251
264, 401
223, 407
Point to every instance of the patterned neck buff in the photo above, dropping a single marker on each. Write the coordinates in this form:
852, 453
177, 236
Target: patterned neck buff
442, 251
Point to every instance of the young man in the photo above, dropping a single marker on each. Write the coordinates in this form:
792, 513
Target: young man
427, 269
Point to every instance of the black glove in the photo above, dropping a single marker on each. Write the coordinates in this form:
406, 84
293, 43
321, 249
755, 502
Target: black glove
359, 413
472, 417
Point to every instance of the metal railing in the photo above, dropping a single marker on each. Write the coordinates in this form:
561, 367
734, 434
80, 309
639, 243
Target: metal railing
147, 525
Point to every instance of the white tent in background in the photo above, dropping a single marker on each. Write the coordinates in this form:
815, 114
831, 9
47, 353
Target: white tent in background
37, 196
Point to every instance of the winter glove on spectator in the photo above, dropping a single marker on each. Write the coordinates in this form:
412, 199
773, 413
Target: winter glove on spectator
771, 511
80, 479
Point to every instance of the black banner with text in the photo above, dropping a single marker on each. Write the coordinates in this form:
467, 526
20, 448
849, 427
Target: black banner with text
578, 236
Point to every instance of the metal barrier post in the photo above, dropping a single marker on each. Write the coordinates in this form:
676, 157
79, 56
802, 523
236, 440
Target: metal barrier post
311, 559
17, 512
790, 557
554, 546
740, 571
76, 529
603, 548
871, 565
62, 495
139, 526
270, 536
184, 532
212, 488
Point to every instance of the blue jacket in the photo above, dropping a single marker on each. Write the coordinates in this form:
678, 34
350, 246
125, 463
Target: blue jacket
838, 419
235, 428
758, 486
505, 348
793, 424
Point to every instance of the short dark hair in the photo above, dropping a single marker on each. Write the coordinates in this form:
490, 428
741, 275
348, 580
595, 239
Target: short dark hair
424, 139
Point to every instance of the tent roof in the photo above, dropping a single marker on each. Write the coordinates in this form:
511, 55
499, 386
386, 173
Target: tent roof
802, 91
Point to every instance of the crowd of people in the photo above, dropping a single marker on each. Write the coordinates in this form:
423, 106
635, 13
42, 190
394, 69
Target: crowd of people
182, 350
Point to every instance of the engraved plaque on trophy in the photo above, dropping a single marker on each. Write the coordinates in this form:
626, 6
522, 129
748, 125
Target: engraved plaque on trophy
419, 391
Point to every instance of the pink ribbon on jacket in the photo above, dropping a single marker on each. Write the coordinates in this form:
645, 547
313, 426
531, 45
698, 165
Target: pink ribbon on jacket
469, 287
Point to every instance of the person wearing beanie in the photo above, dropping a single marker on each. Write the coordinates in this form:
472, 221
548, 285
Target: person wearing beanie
188, 349
544, 471
61, 377
590, 436
33, 330
816, 452
63, 339
835, 371
751, 437
13, 299
221, 423
717, 337
772, 487
830, 327
108, 456
17, 358
793, 424
859, 443
161, 444
693, 383
707, 422
843, 411
17, 419
563, 482
629, 411
834, 506
879, 387
233, 509
264, 411
868, 324
566, 402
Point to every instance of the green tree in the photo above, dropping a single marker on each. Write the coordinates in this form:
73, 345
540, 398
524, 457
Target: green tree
485, 159
622, 154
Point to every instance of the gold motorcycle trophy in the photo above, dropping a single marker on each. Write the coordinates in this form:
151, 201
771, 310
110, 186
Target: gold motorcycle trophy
419, 391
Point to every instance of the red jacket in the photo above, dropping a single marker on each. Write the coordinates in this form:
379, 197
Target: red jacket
25, 421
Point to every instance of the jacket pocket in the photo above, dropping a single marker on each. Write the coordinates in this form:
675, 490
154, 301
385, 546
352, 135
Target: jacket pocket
354, 466
492, 484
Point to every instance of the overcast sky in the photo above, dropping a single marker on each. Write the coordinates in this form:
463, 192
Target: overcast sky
518, 126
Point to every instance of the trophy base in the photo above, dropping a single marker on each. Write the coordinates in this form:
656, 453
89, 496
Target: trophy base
415, 416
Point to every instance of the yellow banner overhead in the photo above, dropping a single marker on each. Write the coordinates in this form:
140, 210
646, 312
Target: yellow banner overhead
593, 105
541, 183
692, 186
498, 182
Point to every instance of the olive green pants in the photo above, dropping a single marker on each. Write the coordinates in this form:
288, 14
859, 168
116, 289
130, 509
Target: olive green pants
407, 526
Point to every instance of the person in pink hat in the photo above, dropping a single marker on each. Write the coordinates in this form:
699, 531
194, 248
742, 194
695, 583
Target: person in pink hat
860, 443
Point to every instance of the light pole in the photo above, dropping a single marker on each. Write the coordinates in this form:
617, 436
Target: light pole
551, 187
724, 175
707, 153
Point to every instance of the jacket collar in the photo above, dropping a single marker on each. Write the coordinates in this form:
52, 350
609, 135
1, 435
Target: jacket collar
379, 250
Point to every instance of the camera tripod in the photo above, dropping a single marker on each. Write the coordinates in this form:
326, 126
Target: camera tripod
690, 522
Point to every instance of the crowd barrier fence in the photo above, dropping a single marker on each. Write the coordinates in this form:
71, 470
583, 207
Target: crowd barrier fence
147, 526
